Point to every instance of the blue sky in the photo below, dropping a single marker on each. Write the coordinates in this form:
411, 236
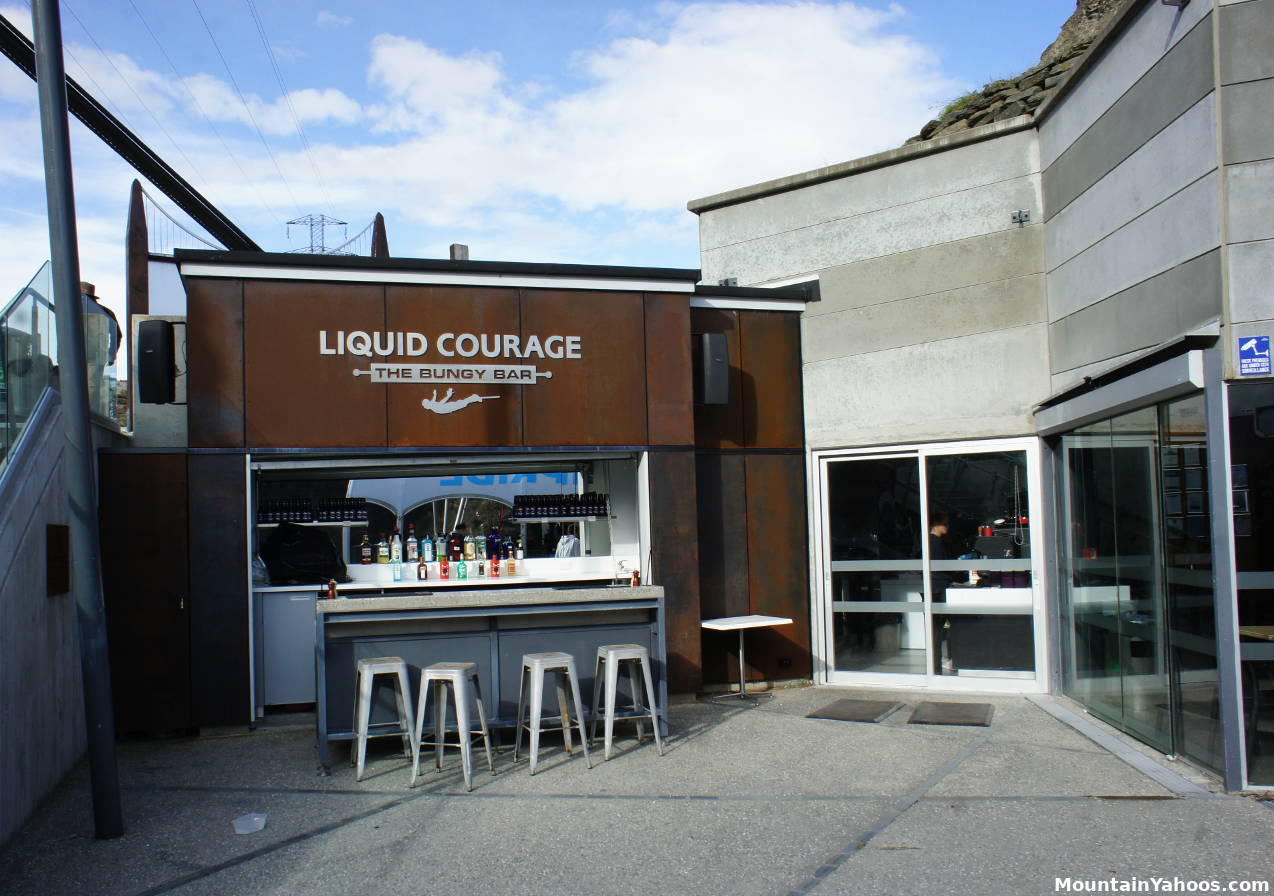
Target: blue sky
564, 132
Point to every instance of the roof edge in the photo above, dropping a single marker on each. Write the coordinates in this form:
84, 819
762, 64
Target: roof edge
356, 262
904, 153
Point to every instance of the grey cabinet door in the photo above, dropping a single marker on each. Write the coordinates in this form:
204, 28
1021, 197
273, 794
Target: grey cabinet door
287, 647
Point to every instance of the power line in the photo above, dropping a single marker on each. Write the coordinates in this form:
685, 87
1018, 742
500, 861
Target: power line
115, 134
132, 90
199, 106
287, 97
252, 118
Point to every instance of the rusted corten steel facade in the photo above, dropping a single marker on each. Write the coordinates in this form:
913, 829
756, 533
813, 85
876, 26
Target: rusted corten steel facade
750, 474
727, 506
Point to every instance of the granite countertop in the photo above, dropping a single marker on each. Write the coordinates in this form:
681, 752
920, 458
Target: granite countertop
502, 598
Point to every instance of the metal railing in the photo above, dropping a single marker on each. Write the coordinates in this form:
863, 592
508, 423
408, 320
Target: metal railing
29, 357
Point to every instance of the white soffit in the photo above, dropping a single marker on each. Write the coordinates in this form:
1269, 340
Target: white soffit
748, 304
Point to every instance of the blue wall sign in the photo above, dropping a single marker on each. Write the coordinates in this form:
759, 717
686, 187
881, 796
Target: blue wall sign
1254, 355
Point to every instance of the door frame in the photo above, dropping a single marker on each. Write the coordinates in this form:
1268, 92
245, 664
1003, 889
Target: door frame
821, 614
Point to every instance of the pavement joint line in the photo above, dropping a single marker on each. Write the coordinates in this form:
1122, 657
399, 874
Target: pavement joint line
890, 816
1157, 772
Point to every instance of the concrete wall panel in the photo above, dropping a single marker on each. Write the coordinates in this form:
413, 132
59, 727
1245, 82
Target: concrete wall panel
972, 387
1247, 123
1003, 255
954, 171
1172, 87
1152, 31
1176, 157
41, 702
1154, 311
1180, 228
1250, 190
982, 308
927, 222
1251, 287
1247, 33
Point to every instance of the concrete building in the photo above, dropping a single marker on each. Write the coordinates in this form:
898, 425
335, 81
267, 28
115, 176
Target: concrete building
1039, 363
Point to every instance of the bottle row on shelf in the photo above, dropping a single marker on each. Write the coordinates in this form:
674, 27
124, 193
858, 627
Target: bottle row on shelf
461, 556
550, 506
312, 510
453, 548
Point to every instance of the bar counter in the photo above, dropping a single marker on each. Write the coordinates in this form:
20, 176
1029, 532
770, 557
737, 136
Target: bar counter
492, 628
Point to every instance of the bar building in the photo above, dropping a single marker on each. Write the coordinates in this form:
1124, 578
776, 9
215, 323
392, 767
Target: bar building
441, 396
998, 419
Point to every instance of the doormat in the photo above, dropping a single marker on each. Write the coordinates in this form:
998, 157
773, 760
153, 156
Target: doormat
929, 713
855, 710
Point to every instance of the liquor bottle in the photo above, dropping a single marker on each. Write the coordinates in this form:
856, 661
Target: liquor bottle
510, 561
422, 571
440, 548
495, 566
493, 542
444, 567
462, 569
480, 542
482, 571
398, 570
365, 550
395, 548
382, 550
412, 547
470, 550
518, 552
427, 550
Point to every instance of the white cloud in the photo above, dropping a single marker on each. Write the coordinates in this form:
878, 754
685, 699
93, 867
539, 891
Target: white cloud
326, 19
709, 97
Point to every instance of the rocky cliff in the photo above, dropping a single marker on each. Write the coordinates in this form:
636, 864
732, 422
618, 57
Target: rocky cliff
1018, 96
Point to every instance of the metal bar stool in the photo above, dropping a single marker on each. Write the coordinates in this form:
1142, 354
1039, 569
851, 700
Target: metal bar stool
534, 665
459, 676
609, 658
366, 673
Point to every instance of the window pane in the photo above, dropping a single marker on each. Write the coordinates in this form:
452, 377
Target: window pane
1252, 477
1191, 610
874, 509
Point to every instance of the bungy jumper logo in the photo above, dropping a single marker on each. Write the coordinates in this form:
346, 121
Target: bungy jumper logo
395, 345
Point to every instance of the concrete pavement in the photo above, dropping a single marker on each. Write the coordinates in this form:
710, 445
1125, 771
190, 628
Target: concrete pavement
747, 801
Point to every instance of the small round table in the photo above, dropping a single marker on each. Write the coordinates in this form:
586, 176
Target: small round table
742, 624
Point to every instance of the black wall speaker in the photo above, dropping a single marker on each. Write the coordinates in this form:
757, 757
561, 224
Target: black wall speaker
156, 371
712, 369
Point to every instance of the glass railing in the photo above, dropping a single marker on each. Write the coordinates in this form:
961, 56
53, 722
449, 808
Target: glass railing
28, 358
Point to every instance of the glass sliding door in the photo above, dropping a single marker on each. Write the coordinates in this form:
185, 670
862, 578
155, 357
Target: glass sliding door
1190, 598
1136, 573
1118, 652
928, 575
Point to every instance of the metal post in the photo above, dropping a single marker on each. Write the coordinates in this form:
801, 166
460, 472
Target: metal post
86, 580
1224, 576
